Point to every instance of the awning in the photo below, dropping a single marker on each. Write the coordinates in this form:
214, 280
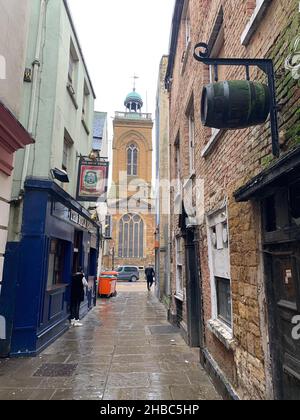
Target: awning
281, 173
13, 137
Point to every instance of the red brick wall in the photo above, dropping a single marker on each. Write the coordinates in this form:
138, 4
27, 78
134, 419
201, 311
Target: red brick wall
236, 158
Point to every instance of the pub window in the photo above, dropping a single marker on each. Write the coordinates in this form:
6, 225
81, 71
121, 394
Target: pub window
224, 300
56, 263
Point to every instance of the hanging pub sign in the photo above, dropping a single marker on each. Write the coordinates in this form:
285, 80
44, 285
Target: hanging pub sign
235, 104
92, 180
238, 104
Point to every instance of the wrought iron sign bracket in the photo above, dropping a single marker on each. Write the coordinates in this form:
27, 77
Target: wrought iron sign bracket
202, 54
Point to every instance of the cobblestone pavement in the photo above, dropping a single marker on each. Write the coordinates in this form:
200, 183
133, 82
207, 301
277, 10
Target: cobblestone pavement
126, 350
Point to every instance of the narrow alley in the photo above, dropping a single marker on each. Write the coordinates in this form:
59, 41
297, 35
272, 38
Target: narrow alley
126, 350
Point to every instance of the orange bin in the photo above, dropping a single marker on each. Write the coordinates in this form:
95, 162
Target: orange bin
107, 285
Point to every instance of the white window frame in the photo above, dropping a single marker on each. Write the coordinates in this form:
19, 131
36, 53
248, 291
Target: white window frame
215, 219
67, 147
188, 29
132, 167
255, 20
86, 101
73, 61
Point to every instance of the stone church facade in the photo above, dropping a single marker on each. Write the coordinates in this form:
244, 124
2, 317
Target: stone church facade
130, 199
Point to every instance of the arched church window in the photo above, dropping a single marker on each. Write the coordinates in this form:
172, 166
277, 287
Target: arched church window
131, 236
132, 160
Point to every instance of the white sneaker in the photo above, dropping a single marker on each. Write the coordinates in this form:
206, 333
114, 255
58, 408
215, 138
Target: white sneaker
73, 322
78, 324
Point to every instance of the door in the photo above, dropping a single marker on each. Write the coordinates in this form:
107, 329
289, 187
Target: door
285, 267
193, 291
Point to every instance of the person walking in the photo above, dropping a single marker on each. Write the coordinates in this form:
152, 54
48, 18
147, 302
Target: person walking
77, 296
150, 276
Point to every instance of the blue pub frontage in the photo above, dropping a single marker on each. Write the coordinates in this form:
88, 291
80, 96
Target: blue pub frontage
58, 237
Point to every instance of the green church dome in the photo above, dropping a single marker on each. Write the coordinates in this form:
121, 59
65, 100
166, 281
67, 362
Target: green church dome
133, 96
134, 102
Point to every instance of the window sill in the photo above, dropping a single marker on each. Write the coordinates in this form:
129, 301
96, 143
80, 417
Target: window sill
254, 22
212, 143
222, 332
85, 126
72, 95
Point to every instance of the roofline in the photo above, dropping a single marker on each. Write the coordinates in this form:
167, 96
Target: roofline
174, 39
78, 44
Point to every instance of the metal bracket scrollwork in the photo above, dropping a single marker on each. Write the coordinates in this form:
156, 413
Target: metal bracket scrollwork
202, 55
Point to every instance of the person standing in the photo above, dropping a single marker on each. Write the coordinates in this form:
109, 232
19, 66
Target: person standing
150, 276
77, 296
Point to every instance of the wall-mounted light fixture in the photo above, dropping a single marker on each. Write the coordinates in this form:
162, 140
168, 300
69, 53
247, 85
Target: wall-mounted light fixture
60, 175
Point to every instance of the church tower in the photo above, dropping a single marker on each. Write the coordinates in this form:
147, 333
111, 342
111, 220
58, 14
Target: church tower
130, 199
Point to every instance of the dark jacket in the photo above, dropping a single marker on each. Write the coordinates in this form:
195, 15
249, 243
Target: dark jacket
77, 288
150, 273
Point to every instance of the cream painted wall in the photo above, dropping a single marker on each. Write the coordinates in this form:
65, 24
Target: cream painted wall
14, 25
14, 15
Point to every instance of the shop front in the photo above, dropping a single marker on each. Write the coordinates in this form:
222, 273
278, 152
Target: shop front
58, 239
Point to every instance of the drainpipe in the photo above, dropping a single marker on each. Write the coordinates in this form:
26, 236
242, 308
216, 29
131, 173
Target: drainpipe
35, 78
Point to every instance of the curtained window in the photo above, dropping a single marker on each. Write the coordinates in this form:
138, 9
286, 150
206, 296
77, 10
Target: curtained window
131, 237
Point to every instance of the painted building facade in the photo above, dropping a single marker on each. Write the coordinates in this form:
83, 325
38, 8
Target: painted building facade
14, 20
51, 234
235, 278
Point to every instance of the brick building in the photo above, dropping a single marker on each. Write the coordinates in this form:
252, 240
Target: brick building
162, 251
235, 276
130, 201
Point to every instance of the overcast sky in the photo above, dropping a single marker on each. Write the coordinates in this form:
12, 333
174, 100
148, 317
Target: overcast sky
120, 38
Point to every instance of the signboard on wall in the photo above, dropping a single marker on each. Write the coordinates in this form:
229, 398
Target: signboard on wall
92, 180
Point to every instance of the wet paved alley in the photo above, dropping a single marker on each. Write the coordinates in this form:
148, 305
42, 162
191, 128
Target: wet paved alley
126, 350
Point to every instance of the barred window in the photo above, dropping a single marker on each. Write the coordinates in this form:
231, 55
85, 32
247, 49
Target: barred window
131, 237
132, 160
